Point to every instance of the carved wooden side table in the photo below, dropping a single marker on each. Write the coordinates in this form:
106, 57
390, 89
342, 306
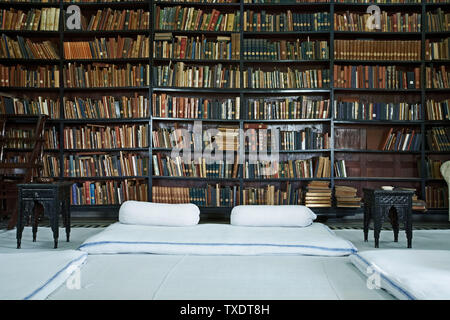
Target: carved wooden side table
55, 199
377, 206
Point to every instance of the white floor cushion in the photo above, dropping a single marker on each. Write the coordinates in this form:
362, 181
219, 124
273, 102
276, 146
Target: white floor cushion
34, 275
218, 239
408, 273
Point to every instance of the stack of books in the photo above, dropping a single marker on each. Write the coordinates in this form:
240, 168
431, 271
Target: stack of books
318, 194
346, 197
417, 204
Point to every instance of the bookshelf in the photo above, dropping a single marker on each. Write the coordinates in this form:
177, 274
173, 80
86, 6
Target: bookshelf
358, 160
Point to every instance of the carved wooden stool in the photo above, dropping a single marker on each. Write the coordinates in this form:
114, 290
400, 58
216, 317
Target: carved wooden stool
377, 206
55, 199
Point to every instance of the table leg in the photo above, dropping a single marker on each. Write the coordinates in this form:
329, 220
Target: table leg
23, 212
366, 222
65, 210
408, 227
377, 223
393, 215
53, 215
36, 213
20, 224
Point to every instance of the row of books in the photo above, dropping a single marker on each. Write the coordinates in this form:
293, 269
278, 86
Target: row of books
279, 1
264, 49
270, 195
317, 167
111, 48
51, 138
105, 165
303, 107
181, 75
401, 50
98, 75
221, 138
437, 50
168, 166
289, 79
21, 138
183, 47
438, 110
108, 107
30, 106
32, 77
389, 22
50, 166
376, 77
108, 192
286, 21
381, 1
432, 168
340, 169
402, 140
168, 138
438, 138
209, 196
44, 19
257, 137
106, 137
112, 20
355, 110
186, 19
168, 106
437, 78
438, 21
289, 140
27, 49
436, 197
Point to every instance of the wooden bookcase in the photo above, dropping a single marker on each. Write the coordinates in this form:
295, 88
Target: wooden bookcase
365, 167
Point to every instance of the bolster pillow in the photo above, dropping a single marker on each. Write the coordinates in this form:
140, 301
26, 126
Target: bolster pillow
272, 216
159, 214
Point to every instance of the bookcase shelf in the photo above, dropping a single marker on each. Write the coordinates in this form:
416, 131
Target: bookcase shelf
118, 5
382, 62
26, 5
104, 150
29, 33
104, 178
105, 33
332, 92
376, 151
109, 60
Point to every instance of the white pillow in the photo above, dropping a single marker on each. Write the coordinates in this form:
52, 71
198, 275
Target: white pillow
159, 214
272, 216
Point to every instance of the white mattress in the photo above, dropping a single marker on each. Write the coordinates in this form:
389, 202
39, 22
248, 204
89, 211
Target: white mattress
408, 273
218, 239
35, 275
195, 277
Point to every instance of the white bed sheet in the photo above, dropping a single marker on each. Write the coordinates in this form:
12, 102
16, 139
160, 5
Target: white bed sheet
218, 239
178, 277
408, 274
34, 275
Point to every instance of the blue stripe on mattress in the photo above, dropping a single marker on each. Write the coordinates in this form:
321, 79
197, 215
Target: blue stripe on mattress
352, 250
54, 276
387, 279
